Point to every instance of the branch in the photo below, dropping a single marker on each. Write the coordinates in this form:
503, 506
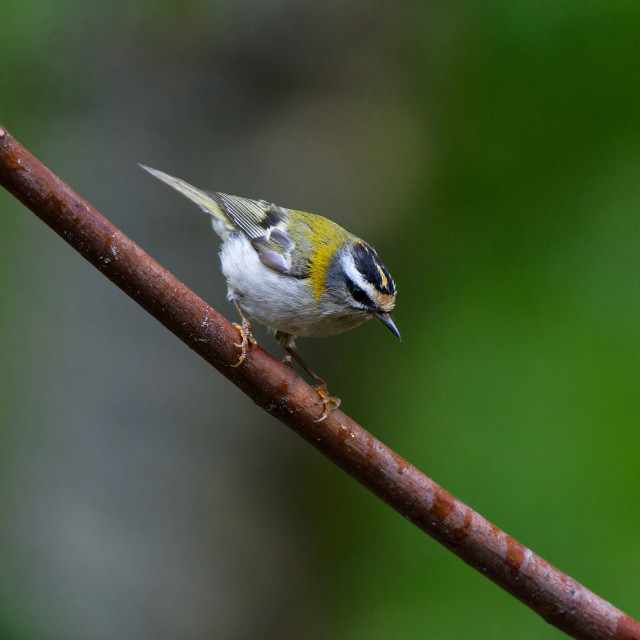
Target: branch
555, 596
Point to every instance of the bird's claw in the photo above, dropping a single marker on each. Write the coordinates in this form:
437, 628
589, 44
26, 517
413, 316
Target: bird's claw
330, 403
247, 339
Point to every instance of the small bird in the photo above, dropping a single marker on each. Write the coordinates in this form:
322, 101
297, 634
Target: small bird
296, 272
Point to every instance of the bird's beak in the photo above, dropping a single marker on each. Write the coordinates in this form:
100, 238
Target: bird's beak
385, 318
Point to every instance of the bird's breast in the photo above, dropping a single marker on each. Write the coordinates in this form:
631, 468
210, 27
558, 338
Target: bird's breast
280, 301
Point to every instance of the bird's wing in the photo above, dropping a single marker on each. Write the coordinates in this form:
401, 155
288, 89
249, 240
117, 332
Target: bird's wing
265, 224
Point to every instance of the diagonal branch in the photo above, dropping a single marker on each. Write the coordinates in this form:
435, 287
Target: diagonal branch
557, 597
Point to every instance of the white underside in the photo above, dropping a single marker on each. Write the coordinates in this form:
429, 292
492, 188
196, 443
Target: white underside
281, 302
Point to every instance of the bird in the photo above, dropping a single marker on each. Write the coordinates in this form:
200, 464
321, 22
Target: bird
298, 273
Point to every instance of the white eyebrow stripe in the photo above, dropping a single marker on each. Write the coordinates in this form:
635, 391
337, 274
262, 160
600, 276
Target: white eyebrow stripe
349, 267
357, 278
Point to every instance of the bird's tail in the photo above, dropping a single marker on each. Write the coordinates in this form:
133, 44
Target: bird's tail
205, 200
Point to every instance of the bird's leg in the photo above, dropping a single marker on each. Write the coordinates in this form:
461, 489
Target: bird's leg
329, 403
245, 334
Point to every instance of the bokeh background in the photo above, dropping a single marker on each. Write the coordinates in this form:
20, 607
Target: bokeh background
489, 151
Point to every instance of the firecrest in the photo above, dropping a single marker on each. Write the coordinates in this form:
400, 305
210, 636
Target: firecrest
298, 273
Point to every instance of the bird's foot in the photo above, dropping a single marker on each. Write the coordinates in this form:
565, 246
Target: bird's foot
247, 340
329, 403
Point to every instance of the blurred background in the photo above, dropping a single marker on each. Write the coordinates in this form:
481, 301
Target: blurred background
489, 151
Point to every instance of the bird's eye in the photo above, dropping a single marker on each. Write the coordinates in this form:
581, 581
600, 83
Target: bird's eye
358, 294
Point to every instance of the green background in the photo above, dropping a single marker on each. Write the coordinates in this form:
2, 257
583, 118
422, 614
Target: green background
489, 151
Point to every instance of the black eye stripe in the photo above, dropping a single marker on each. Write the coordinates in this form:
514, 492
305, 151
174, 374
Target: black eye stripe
358, 294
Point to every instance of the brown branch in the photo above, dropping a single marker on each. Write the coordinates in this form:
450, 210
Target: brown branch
557, 597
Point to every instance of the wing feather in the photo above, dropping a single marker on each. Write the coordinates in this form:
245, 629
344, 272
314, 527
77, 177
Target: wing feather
265, 224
